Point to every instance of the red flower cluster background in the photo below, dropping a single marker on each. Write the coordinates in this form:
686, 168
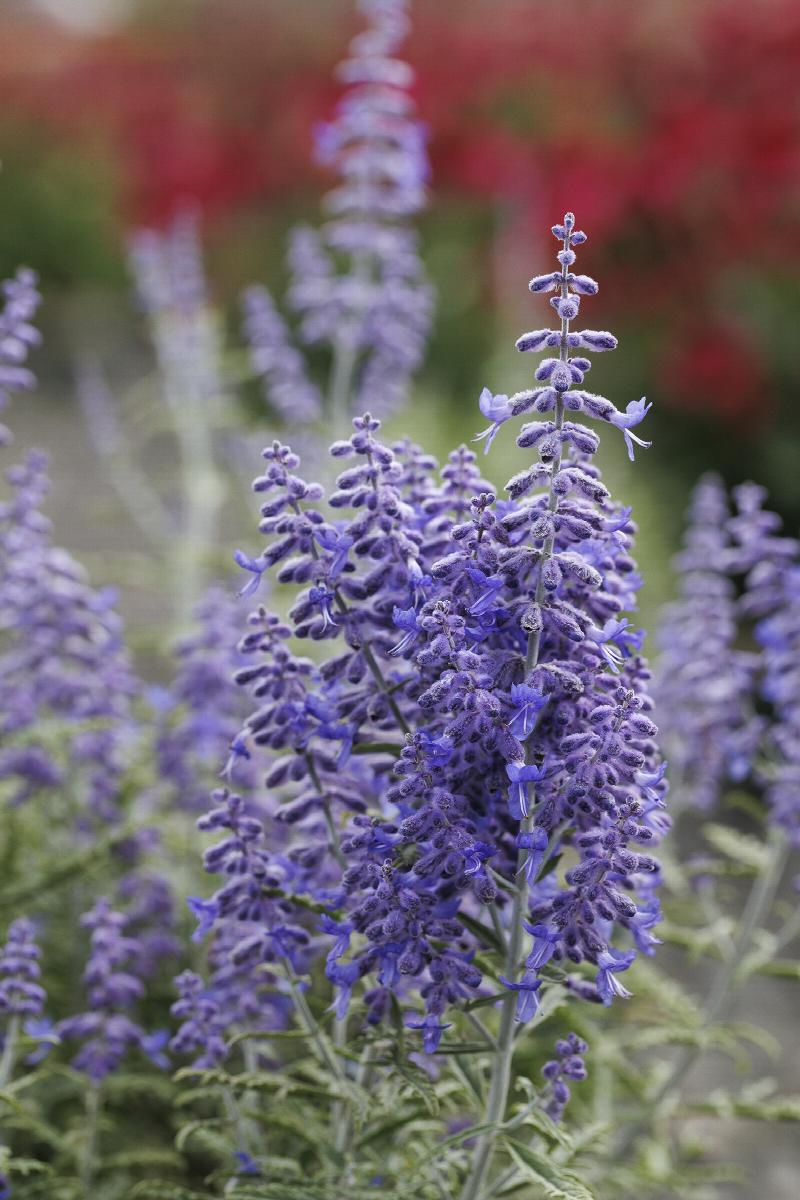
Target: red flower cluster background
672, 127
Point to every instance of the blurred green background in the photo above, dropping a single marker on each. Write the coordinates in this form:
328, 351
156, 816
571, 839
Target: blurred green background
671, 128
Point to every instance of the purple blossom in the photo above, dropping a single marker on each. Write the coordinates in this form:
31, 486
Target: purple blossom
528, 703
200, 717
610, 963
62, 660
527, 990
634, 414
276, 361
545, 943
521, 774
202, 1027
496, 409
432, 1031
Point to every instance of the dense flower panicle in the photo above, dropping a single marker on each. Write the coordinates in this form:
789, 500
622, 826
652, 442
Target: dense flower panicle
105, 1029
203, 711
482, 707
17, 335
378, 312
64, 668
252, 901
709, 723
21, 994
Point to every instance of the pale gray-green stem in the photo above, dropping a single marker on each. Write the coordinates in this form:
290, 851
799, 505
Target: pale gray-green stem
9, 1050
345, 356
501, 1068
192, 410
92, 1129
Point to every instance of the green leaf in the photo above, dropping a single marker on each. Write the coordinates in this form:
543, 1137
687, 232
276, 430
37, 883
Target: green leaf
482, 931
200, 1130
164, 1191
138, 1161
741, 848
720, 1104
780, 969
557, 1182
419, 1083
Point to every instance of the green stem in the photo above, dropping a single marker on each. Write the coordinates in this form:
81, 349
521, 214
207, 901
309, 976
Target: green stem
90, 1151
9, 1050
312, 1028
202, 490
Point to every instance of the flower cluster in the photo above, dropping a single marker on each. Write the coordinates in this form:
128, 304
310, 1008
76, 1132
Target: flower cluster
21, 994
17, 336
710, 726
739, 580
482, 708
105, 1030
568, 1064
376, 313
66, 683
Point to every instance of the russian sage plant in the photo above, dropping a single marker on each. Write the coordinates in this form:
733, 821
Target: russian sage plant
463, 782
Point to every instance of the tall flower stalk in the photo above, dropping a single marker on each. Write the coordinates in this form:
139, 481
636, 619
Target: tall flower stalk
358, 287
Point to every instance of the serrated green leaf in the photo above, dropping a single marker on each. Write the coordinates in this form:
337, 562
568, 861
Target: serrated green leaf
557, 1182
420, 1084
198, 1129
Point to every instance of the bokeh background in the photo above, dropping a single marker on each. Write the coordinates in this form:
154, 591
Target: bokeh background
670, 127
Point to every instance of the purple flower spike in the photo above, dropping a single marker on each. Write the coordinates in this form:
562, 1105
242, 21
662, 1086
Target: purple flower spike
105, 1029
462, 646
